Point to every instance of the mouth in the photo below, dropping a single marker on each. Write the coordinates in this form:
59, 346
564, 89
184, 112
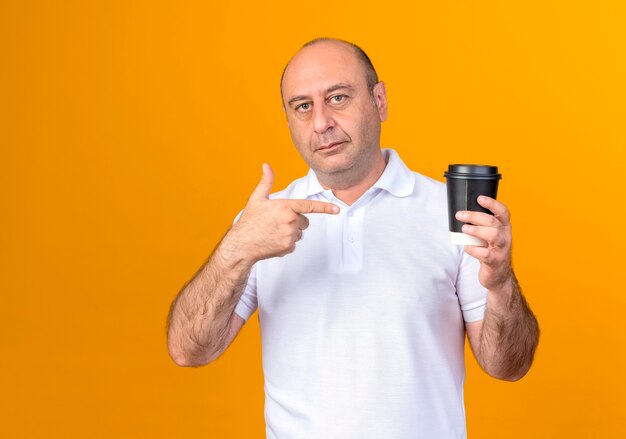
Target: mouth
330, 146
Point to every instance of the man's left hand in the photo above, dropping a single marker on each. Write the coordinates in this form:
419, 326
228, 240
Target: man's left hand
495, 258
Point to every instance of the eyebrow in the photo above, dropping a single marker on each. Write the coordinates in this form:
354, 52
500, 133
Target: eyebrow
330, 89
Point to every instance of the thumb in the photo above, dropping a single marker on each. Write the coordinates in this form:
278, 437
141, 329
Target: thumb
262, 191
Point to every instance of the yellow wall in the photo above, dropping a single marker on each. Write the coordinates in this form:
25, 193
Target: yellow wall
131, 133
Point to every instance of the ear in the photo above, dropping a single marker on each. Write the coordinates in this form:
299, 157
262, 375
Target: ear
380, 99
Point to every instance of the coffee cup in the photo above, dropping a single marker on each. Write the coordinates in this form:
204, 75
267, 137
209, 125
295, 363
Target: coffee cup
464, 184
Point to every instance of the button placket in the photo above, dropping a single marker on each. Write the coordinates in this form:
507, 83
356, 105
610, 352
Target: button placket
351, 225
353, 247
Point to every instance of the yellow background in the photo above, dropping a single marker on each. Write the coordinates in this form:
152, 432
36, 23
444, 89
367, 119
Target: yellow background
131, 134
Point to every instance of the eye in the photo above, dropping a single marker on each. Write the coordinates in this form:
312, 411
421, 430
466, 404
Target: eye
303, 107
338, 98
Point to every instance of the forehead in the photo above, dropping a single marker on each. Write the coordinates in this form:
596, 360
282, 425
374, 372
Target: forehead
317, 67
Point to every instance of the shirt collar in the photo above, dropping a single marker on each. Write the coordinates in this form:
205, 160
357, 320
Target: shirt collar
396, 179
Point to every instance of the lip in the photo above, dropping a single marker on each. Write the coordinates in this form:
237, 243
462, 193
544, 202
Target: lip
330, 146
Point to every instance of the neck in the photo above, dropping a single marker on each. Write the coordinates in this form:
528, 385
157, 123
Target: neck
350, 191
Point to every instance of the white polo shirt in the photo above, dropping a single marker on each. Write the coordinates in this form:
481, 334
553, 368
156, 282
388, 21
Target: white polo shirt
362, 325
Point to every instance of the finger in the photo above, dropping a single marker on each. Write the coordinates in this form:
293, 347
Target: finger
303, 222
480, 253
313, 206
490, 235
262, 191
499, 210
488, 257
478, 218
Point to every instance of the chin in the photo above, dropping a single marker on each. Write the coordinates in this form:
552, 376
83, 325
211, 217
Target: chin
333, 164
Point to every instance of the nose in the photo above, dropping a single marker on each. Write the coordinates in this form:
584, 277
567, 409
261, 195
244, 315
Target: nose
322, 118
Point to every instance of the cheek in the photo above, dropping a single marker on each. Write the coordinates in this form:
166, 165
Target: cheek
299, 135
369, 125
352, 127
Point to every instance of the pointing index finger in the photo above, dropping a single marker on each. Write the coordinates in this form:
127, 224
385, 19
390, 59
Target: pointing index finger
313, 206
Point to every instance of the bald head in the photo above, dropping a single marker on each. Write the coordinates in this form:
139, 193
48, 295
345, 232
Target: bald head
368, 68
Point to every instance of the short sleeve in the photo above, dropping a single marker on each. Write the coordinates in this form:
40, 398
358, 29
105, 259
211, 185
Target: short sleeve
472, 295
247, 302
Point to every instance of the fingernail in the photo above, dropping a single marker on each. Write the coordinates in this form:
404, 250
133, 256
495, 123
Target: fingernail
460, 215
335, 209
466, 228
481, 199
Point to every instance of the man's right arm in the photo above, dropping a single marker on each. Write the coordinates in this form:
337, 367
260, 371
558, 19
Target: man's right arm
202, 321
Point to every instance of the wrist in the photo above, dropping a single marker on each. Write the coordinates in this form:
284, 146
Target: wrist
234, 250
501, 296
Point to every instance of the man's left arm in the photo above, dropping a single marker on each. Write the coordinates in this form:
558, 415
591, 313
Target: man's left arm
504, 342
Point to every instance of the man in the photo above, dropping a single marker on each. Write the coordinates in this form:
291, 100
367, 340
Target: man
363, 302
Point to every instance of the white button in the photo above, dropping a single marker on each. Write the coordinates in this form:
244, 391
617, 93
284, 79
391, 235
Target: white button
351, 213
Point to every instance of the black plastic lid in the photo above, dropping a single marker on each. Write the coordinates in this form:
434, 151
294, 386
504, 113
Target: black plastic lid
474, 172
